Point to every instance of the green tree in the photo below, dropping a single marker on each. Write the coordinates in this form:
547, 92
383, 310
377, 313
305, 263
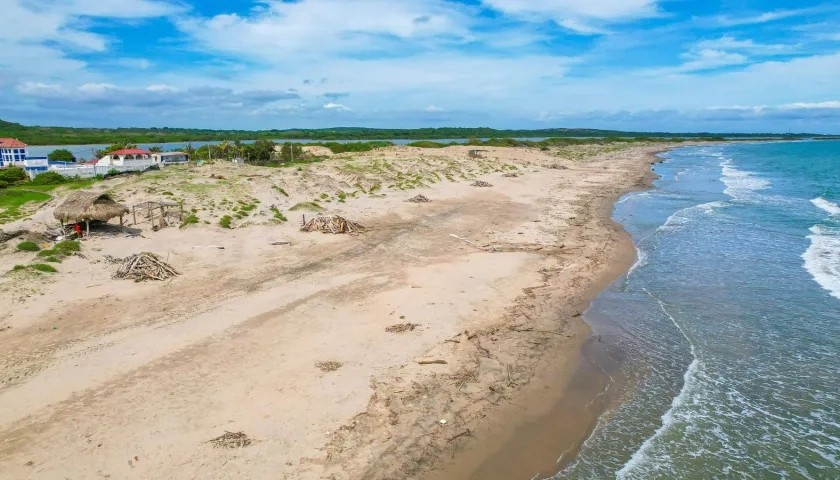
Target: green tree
259, 152
124, 145
155, 149
61, 155
291, 151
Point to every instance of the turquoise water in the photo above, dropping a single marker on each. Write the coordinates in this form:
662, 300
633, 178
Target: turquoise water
728, 325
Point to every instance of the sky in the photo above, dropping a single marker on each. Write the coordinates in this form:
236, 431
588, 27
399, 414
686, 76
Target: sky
641, 65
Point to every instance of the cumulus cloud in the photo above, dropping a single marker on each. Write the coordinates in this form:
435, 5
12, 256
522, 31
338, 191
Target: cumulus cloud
581, 16
336, 106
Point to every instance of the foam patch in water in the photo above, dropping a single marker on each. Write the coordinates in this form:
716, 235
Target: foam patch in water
822, 259
830, 207
740, 184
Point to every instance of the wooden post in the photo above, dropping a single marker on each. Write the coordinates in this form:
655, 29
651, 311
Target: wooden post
87, 226
134, 211
122, 228
181, 218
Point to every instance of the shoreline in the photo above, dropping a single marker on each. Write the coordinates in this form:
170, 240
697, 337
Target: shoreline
497, 308
565, 396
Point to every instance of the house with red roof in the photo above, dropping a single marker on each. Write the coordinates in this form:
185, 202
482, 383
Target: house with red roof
12, 152
126, 158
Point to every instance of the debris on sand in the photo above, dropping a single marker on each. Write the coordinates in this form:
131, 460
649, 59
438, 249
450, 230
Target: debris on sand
402, 327
232, 440
217, 177
330, 366
557, 166
332, 224
145, 266
479, 183
511, 175
419, 199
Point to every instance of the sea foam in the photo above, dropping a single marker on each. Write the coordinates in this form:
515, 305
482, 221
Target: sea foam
822, 259
740, 184
831, 208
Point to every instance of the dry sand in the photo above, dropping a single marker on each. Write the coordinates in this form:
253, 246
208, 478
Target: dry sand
290, 343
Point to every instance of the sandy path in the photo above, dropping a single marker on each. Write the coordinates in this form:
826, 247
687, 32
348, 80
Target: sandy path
112, 379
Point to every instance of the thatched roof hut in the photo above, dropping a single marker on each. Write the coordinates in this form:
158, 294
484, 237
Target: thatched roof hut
86, 206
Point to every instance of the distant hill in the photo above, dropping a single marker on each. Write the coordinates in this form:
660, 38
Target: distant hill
35, 135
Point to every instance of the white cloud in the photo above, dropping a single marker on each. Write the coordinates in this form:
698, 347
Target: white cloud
432, 108
811, 106
284, 30
336, 106
765, 17
728, 42
581, 16
39, 89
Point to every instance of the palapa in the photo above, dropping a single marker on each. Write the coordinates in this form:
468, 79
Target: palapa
145, 266
85, 206
332, 224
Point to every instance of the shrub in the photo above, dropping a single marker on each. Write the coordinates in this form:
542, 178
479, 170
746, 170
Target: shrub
67, 247
52, 260
190, 220
28, 247
113, 172
4, 184
18, 268
12, 175
49, 178
224, 222
47, 253
43, 267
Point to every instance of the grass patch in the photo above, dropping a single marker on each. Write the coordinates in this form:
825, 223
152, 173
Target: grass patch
52, 259
67, 247
307, 206
13, 198
28, 247
18, 268
224, 222
278, 215
280, 189
43, 267
190, 220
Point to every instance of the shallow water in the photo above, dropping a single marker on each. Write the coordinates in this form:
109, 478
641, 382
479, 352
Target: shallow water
728, 325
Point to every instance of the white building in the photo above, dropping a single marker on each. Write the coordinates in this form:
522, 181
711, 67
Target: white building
14, 153
170, 158
126, 158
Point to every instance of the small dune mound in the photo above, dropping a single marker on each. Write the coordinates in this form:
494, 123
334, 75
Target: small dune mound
332, 224
419, 199
232, 440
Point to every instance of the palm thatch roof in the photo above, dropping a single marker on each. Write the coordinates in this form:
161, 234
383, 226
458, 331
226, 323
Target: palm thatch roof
81, 206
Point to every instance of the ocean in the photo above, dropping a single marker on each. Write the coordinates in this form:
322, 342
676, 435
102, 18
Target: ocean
727, 329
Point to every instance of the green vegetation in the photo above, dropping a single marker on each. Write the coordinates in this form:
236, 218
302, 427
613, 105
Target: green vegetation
278, 215
428, 144
61, 155
67, 247
192, 219
224, 222
43, 267
12, 199
49, 178
52, 259
80, 136
306, 206
18, 268
28, 247
280, 189
11, 175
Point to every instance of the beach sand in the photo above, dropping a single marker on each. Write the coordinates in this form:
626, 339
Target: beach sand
102, 378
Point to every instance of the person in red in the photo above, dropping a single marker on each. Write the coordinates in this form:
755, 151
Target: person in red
78, 228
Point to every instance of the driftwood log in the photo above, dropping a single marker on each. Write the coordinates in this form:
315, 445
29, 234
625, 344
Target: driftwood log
332, 224
145, 266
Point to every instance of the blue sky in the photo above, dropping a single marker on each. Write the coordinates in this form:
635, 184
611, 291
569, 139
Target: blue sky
678, 65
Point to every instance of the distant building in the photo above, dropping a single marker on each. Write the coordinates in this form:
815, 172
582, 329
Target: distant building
14, 153
126, 158
170, 158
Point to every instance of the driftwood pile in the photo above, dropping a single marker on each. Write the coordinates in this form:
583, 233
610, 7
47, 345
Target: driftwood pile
402, 327
145, 266
479, 183
419, 199
232, 440
332, 224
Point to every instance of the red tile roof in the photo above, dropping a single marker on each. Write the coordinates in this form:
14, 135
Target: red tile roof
11, 143
132, 151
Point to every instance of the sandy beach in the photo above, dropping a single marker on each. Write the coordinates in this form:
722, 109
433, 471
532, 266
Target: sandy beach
416, 349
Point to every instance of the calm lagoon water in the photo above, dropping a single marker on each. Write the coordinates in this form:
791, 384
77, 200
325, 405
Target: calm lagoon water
728, 325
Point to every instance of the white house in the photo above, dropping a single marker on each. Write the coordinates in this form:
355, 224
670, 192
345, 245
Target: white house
126, 158
170, 158
14, 153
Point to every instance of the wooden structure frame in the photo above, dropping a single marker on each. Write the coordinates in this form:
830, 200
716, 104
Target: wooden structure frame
153, 208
